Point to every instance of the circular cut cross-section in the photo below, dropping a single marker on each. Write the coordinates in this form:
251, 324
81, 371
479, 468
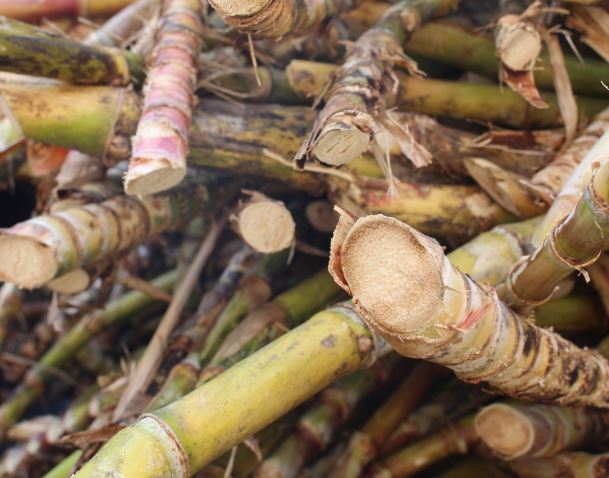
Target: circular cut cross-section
504, 430
26, 262
267, 226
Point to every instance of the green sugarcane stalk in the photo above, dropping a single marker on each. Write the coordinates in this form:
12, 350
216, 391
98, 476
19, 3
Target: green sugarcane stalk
67, 346
253, 291
455, 438
575, 243
183, 437
65, 467
318, 425
456, 46
32, 51
453, 401
263, 325
365, 445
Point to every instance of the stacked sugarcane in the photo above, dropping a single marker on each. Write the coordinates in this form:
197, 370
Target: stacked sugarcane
304, 239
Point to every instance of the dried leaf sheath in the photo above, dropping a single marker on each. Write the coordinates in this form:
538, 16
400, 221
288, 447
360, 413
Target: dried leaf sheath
280, 18
45, 247
426, 308
160, 145
364, 88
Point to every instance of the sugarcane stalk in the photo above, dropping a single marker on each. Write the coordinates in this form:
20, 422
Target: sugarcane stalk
365, 445
575, 313
68, 345
96, 120
454, 45
31, 10
286, 311
254, 289
160, 144
517, 431
363, 88
439, 210
265, 224
453, 401
452, 99
455, 438
64, 468
280, 19
567, 465
318, 425
52, 245
572, 190
174, 441
426, 308
575, 243
123, 24
11, 305
32, 51
148, 365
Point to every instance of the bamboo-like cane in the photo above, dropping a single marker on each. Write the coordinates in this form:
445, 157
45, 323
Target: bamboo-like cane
365, 445
65, 348
363, 88
180, 439
32, 51
160, 145
427, 308
318, 425
535, 431
455, 438
282, 18
49, 246
575, 243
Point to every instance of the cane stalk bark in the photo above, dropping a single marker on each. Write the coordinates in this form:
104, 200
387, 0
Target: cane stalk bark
455, 438
67, 346
176, 441
32, 51
516, 431
280, 19
160, 145
49, 246
364, 87
365, 445
426, 308
575, 243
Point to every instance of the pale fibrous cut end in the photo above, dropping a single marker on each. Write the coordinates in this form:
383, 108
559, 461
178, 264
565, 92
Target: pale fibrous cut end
152, 176
505, 430
26, 262
518, 43
341, 146
239, 8
71, 283
267, 226
394, 273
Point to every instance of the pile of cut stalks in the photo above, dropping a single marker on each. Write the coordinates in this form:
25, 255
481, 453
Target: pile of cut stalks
304, 238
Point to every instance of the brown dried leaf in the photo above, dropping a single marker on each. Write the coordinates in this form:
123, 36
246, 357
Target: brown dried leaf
593, 23
523, 83
562, 85
88, 437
